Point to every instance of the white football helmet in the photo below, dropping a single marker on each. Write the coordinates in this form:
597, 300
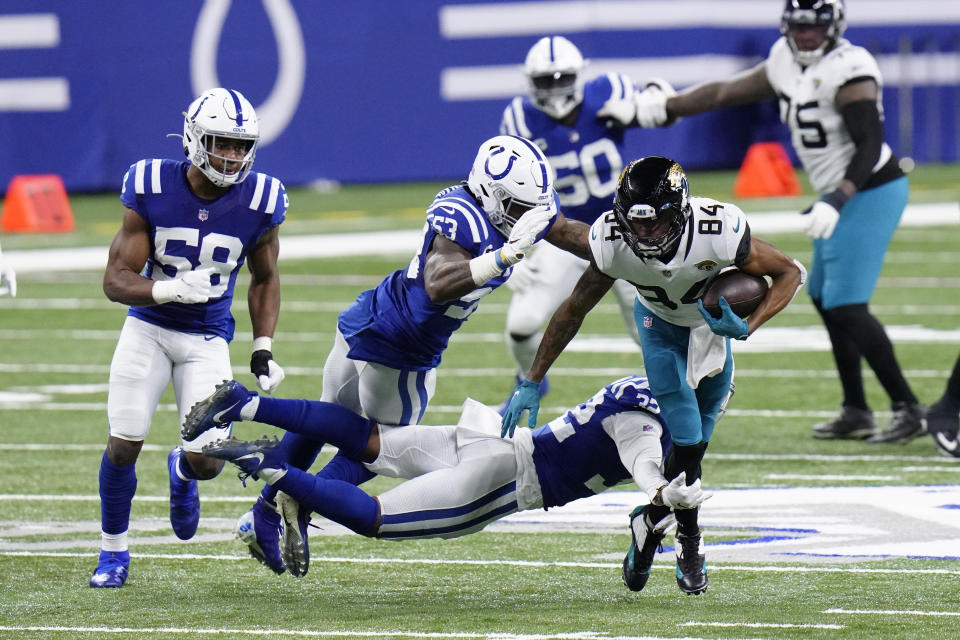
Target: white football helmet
553, 68
510, 176
221, 114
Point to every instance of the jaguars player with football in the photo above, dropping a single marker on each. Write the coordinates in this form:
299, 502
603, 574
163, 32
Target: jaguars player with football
188, 227
669, 246
461, 477
580, 126
830, 97
389, 342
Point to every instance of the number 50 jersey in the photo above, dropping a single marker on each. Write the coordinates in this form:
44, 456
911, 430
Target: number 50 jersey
716, 236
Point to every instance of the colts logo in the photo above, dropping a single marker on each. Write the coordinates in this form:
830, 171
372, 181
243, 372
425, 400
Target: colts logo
203, 214
498, 176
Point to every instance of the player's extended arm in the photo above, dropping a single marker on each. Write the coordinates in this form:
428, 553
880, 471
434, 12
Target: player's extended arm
566, 321
787, 274
570, 235
128, 254
446, 273
263, 303
745, 87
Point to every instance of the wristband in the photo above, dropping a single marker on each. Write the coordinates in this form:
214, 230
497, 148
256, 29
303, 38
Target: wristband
164, 291
263, 343
835, 199
484, 267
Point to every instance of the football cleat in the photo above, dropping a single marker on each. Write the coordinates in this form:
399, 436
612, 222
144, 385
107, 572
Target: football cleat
184, 499
254, 458
215, 411
647, 542
260, 529
851, 424
905, 424
112, 570
943, 424
544, 390
691, 565
295, 548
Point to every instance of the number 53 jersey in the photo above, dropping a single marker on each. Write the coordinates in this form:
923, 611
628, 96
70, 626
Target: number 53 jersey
187, 233
716, 236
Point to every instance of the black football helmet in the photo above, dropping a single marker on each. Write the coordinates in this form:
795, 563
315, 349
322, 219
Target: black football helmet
652, 206
828, 14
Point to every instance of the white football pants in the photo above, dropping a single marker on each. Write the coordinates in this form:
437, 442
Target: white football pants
146, 359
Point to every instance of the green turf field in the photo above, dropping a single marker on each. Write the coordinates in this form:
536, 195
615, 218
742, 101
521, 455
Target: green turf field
533, 581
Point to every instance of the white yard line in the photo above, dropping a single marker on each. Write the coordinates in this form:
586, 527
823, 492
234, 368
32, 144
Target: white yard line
894, 612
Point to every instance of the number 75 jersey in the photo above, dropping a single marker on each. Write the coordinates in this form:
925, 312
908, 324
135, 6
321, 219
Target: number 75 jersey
716, 236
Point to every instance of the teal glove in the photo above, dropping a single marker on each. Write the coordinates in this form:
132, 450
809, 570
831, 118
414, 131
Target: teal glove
526, 397
729, 325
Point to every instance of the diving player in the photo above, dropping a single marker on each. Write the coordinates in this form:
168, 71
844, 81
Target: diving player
669, 246
389, 342
580, 126
830, 97
189, 226
463, 477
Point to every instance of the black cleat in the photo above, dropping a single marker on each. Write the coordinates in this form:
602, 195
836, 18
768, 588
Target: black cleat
943, 424
851, 424
647, 541
905, 424
691, 565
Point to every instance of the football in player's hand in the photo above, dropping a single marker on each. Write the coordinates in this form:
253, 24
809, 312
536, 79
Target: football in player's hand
742, 291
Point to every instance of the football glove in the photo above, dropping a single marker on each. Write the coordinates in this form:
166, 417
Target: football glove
729, 325
524, 234
267, 372
651, 103
820, 219
679, 495
623, 110
193, 288
526, 397
8, 279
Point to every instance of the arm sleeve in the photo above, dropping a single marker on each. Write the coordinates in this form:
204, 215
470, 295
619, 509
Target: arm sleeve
637, 435
863, 122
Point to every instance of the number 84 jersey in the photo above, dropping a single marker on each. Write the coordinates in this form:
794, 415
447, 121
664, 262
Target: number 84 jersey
716, 236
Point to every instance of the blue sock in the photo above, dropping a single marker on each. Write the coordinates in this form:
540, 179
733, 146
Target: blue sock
117, 486
343, 468
323, 421
299, 452
339, 501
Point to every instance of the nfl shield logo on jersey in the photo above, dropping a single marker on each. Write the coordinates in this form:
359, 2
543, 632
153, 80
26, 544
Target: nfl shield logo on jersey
203, 214
647, 322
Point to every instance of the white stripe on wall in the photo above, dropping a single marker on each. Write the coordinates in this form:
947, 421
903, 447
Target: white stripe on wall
29, 31
34, 94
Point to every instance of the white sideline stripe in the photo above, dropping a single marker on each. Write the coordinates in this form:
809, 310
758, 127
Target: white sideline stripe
27, 497
835, 477
405, 242
893, 612
246, 631
719, 566
762, 625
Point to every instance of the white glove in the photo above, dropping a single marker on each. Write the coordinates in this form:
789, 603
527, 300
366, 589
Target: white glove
623, 110
651, 103
193, 288
677, 495
820, 220
8, 279
524, 234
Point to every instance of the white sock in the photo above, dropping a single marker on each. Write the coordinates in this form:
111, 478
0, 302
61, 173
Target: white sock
113, 541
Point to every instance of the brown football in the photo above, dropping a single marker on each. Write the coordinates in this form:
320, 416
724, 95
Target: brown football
742, 291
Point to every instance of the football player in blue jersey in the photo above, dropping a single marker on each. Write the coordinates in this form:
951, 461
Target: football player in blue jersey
830, 94
580, 126
188, 228
463, 477
389, 342
670, 246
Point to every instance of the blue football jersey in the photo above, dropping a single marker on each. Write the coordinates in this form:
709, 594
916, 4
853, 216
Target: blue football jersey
588, 156
575, 457
187, 233
396, 324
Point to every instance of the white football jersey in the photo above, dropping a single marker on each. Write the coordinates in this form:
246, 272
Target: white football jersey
670, 290
807, 95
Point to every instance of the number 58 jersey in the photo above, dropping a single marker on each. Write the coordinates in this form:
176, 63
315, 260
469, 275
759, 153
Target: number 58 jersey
187, 233
716, 236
